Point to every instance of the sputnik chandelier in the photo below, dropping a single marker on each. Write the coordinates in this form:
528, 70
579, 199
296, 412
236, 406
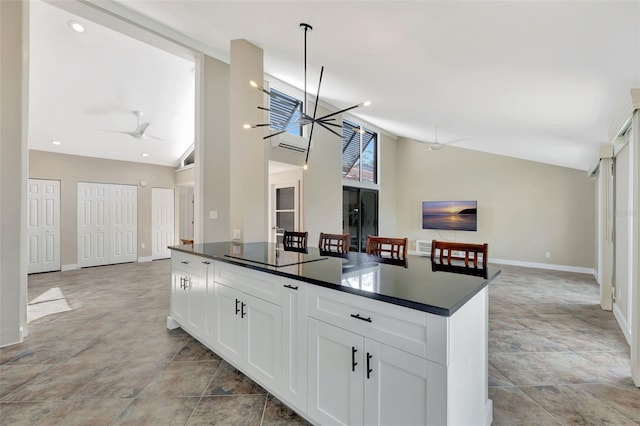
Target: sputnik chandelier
297, 119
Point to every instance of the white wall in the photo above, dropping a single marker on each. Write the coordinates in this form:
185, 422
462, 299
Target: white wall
387, 200
525, 209
71, 169
213, 154
322, 182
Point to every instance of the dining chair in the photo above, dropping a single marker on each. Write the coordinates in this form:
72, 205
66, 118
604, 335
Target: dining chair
294, 239
387, 246
447, 251
334, 242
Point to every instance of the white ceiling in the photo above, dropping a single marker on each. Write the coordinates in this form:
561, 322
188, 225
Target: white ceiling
536, 80
82, 84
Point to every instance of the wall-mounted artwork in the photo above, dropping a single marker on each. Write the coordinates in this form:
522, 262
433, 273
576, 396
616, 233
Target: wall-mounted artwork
450, 215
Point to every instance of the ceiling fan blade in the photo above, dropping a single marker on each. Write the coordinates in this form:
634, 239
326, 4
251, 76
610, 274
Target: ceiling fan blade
454, 141
142, 128
119, 131
152, 137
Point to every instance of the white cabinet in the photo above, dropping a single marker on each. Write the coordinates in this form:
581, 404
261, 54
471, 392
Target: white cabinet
334, 357
190, 292
248, 330
395, 386
355, 380
369, 362
335, 375
294, 343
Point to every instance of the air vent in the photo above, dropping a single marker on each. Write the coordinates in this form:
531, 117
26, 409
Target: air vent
423, 247
290, 142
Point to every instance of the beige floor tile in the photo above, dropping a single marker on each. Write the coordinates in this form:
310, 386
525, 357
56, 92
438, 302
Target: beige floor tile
278, 414
229, 410
13, 377
153, 412
25, 413
187, 379
512, 407
229, 381
93, 412
572, 405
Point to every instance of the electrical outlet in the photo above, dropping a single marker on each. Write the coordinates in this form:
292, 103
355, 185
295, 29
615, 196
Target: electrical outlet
547, 255
236, 234
142, 245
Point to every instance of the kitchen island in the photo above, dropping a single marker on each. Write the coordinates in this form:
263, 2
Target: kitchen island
342, 339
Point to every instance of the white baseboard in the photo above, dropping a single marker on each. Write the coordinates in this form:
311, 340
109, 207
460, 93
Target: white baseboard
71, 267
622, 322
489, 410
10, 337
549, 266
536, 265
171, 323
145, 259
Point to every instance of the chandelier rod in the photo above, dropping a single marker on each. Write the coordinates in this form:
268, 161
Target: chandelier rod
305, 27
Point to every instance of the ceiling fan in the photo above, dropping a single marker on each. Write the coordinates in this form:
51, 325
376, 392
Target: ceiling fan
436, 145
140, 131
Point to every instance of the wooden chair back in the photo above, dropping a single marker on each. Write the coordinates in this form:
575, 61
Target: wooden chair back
294, 239
334, 242
385, 246
447, 251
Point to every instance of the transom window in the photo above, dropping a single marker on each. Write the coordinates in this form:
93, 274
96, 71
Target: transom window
359, 153
285, 112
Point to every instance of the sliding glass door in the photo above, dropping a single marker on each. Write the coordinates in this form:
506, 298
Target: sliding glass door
359, 215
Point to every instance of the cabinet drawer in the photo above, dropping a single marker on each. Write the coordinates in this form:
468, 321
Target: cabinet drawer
397, 326
188, 263
259, 284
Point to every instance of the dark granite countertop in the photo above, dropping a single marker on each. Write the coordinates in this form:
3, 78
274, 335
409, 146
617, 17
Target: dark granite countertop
414, 283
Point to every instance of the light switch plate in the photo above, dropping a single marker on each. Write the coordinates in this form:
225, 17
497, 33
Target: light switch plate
213, 214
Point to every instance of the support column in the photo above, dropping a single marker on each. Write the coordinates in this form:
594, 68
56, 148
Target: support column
634, 226
13, 171
605, 231
248, 152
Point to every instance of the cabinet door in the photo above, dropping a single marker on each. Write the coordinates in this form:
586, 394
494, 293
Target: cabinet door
262, 326
335, 375
228, 337
294, 344
197, 303
179, 296
395, 386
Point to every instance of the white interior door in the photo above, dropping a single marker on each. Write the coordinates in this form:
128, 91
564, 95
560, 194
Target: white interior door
285, 205
43, 225
123, 223
93, 224
162, 222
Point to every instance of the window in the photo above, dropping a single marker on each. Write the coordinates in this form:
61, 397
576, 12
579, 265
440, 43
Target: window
285, 112
189, 157
359, 153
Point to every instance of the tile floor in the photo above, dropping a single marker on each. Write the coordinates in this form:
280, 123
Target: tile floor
555, 357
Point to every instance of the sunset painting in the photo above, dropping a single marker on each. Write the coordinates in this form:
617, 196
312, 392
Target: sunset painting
450, 215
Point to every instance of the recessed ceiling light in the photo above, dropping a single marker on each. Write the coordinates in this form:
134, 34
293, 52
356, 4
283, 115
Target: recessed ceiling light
55, 142
145, 154
76, 26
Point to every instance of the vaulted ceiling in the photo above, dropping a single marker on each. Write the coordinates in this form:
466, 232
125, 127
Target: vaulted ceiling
534, 80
